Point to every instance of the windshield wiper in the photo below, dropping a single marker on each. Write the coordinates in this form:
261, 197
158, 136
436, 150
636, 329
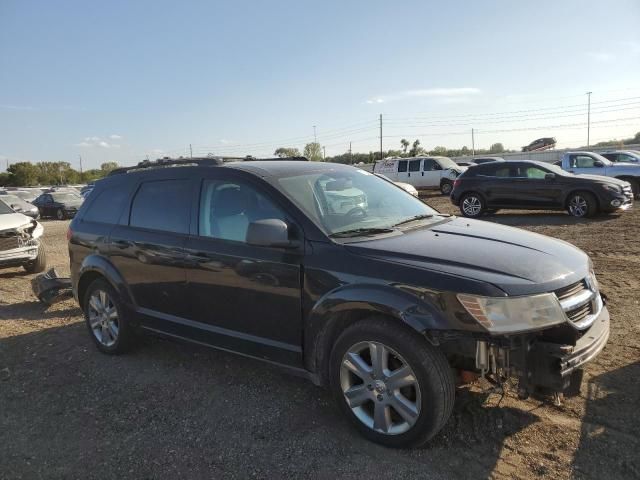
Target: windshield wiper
414, 218
360, 232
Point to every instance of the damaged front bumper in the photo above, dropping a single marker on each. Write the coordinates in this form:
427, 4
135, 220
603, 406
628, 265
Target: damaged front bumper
23, 251
49, 287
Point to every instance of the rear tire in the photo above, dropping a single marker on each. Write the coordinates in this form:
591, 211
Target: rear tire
472, 205
445, 187
635, 188
40, 263
582, 205
401, 400
106, 318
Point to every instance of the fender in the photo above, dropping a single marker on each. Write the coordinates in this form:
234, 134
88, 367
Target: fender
415, 307
98, 264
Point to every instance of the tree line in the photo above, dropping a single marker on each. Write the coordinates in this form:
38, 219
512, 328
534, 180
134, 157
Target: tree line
24, 174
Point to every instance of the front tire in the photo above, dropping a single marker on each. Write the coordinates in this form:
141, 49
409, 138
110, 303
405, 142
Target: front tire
106, 318
472, 205
445, 187
40, 263
635, 188
582, 205
394, 387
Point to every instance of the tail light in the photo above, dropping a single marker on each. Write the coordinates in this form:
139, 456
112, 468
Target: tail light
69, 234
456, 183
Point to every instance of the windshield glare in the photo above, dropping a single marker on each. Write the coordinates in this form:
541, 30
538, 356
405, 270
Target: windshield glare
5, 209
346, 200
446, 162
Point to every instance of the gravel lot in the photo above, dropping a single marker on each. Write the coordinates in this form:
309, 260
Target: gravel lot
170, 410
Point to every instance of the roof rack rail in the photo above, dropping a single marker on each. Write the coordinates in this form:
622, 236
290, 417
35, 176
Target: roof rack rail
199, 161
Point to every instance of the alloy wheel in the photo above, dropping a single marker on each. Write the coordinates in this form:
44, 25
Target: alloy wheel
380, 388
578, 206
103, 318
471, 206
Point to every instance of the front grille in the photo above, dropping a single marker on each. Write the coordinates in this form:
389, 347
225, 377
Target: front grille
571, 290
580, 313
580, 302
9, 243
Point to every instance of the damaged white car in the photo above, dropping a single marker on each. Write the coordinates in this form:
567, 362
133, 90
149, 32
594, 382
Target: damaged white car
20, 241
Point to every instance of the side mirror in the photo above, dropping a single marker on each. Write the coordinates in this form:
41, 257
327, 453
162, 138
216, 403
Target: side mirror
598, 164
549, 176
271, 232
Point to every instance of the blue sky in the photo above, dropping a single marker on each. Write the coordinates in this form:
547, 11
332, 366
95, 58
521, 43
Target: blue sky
121, 80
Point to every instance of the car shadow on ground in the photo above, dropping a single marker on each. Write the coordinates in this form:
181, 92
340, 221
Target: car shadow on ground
609, 435
35, 310
172, 407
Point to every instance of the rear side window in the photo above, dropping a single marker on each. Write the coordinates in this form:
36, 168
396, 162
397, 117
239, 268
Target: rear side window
414, 165
107, 205
162, 205
402, 165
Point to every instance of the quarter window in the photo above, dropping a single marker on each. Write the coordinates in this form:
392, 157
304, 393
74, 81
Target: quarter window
107, 206
227, 209
162, 205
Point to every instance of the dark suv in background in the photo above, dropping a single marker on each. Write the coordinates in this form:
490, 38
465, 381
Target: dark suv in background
529, 185
386, 301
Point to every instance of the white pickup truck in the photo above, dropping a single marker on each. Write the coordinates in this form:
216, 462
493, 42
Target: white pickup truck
421, 172
589, 163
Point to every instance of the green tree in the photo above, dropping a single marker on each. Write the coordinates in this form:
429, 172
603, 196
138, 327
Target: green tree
108, 166
405, 145
496, 148
313, 151
416, 149
284, 152
23, 174
440, 151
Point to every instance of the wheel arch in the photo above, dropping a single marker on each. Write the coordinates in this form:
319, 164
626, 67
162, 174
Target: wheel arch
347, 305
581, 190
96, 266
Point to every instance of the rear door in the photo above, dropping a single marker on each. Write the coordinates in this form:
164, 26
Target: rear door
414, 172
496, 184
148, 249
244, 297
403, 173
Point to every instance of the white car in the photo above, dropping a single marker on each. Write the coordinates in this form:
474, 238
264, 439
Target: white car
421, 172
407, 187
20, 243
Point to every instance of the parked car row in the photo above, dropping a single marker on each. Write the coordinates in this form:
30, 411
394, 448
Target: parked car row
54, 202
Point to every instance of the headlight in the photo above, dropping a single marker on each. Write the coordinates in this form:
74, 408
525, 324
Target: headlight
613, 188
502, 315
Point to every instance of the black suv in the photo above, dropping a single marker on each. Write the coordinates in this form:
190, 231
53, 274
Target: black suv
384, 300
530, 185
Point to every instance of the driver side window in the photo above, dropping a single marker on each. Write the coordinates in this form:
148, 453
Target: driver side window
582, 161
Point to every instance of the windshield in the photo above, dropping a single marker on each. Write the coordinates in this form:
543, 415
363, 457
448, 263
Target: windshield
23, 195
11, 199
66, 197
446, 162
340, 201
5, 209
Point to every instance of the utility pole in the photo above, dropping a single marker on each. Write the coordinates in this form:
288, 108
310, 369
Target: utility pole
588, 116
473, 143
80, 157
380, 136
190, 151
350, 156
315, 138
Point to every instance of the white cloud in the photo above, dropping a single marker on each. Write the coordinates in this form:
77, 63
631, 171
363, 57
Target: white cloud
443, 93
224, 141
115, 137
602, 57
91, 142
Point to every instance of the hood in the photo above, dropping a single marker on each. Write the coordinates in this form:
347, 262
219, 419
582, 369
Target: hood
603, 179
13, 220
514, 260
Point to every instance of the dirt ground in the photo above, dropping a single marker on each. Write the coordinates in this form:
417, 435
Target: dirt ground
170, 410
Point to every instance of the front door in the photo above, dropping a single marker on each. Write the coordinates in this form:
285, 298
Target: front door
244, 298
585, 164
531, 188
432, 172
